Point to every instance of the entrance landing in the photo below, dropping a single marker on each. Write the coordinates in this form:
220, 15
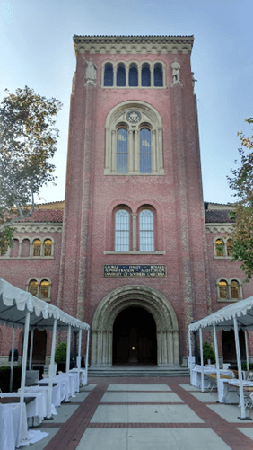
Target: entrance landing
167, 414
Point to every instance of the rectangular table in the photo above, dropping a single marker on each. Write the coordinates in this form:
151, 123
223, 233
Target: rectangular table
9, 425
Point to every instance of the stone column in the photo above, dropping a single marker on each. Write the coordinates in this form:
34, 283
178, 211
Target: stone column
137, 151
154, 148
114, 151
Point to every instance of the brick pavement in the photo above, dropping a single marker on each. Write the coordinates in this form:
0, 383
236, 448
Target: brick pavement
70, 433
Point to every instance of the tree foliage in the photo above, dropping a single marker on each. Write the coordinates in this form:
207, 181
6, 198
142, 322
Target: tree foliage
242, 183
28, 140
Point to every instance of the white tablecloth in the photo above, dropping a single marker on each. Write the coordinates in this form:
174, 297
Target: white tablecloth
227, 394
62, 383
196, 375
83, 378
37, 407
9, 425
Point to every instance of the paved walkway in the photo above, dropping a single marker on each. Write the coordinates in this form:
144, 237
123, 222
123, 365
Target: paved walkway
163, 413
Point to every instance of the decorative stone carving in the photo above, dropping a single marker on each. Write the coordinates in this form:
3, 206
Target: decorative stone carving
90, 72
218, 227
175, 72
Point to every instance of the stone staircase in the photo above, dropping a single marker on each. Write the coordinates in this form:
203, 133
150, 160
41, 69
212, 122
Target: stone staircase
138, 371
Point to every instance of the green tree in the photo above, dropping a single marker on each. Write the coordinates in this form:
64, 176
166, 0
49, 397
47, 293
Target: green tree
242, 183
28, 139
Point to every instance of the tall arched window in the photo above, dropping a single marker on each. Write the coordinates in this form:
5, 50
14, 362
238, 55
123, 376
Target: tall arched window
146, 231
229, 247
223, 289
47, 247
219, 247
44, 289
145, 151
234, 289
36, 247
122, 231
121, 75
108, 75
133, 76
122, 154
145, 75
158, 75
33, 287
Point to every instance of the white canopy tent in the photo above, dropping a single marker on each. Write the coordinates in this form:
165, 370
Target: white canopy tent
20, 309
235, 316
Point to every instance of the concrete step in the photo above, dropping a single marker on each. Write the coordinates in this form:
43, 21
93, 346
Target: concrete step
138, 371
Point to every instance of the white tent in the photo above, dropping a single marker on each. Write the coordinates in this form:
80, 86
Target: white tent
19, 308
235, 316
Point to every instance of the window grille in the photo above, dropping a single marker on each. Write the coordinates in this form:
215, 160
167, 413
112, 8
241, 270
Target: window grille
36, 247
122, 231
122, 153
145, 76
108, 75
234, 289
223, 289
146, 231
48, 248
44, 288
33, 287
158, 75
121, 75
145, 151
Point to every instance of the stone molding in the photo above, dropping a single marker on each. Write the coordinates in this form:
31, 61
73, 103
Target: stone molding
133, 44
219, 227
38, 227
151, 300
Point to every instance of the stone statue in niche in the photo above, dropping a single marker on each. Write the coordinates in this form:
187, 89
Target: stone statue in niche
175, 72
193, 81
90, 71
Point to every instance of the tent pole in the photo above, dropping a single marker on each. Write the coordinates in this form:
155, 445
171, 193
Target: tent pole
31, 351
238, 356
216, 359
202, 360
79, 356
24, 361
247, 347
12, 358
87, 357
190, 354
68, 361
51, 371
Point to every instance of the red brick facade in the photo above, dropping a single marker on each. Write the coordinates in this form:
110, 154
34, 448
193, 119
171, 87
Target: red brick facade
87, 243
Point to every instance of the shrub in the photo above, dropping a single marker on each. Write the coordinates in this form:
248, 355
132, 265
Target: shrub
60, 354
208, 353
5, 374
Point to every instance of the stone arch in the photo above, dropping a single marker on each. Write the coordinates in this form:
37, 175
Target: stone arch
151, 300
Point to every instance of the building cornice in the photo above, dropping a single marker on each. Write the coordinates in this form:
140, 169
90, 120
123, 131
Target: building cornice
219, 227
133, 44
36, 227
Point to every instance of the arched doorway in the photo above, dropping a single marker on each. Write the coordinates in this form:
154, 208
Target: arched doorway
148, 299
134, 337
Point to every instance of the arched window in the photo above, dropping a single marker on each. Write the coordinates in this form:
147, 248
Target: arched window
44, 289
122, 153
122, 231
145, 75
121, 75
219, 246
158, 75
229, 247
108, 75
223, 289
33, 287
133, 76
36, 247
145, 151
47, 247
146, 231
234, 289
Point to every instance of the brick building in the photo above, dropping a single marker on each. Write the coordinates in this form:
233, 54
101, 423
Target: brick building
134, 253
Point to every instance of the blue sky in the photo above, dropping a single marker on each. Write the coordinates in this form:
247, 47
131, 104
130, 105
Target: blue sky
36, 48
